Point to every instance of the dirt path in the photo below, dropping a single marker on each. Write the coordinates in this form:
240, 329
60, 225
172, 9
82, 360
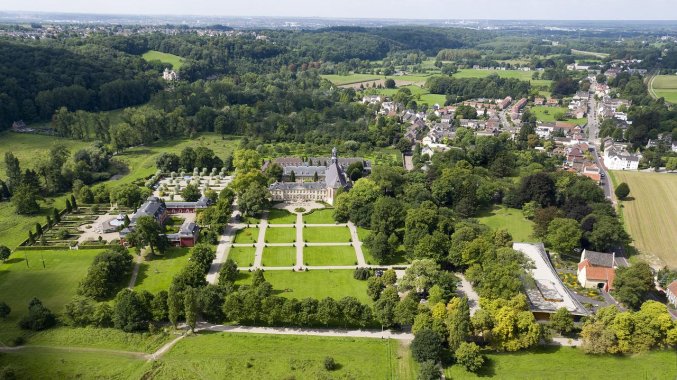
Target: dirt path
135, 272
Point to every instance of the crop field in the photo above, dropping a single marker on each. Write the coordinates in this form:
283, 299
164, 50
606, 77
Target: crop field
171, 59
664, 86
241, 356
314, 284
553, 363
51, 276
649, 214
510, 219
589, 53
157, 273
547, 114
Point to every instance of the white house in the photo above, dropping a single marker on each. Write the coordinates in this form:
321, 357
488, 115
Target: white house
597, 270
616, 157
671, 293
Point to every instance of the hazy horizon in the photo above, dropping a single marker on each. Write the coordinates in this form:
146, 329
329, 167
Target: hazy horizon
570, 10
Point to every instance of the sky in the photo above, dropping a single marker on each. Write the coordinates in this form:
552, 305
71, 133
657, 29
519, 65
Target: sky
401, 9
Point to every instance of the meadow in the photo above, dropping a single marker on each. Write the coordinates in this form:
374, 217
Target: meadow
100, 338
279, 257
171, 59
156, 273
649, 213
552, 363
240, 356
314, 284
510, 219
664, 86
326, 234
547, 115
334, 255
51, 276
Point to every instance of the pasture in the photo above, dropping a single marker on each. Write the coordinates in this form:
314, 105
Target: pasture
554, 363
156, 273
254, 356
314, 284
171, 59
649, 214
31, 149
664, 86
510, 219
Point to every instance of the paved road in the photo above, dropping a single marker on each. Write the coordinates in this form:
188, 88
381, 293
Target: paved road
223, 248
606, 181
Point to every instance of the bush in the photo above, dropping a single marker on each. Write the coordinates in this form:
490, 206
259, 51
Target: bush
622, 191
468, 355
362, 274
329, 363
4, 310
39, 317
428, 371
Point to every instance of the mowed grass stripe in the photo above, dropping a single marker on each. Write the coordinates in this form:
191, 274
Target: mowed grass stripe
650, 216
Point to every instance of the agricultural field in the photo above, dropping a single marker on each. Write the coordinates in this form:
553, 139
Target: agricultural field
171, 59
322, 216
156, 273
279, 257
334, 255
510, 219
243, 256
326, 234
51, 276
247, 235
548, 115
649, 213
240, 356
314, 284
553, 363
664, 86
280, 235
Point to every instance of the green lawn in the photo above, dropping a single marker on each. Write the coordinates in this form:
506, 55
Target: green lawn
665, 86
569, 363
112, 339
246, 235
54, 284
243, 256
510, 219
280, 235
337, 255
314, 284
362, 233
398, 257
172, 59
279, 256
547, 114
326, 234
278, 216
340, 80
14, 228
322, 216
157, 274
50, 363
254, 356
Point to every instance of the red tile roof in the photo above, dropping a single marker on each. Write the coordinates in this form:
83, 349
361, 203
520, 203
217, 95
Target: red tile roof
598, 273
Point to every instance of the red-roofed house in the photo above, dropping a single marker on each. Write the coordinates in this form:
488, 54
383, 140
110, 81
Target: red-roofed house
597, 270
671, 293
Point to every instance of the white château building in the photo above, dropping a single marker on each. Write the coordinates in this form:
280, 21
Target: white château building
330, 179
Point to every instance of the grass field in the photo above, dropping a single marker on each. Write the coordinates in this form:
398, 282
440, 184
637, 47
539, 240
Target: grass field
518, 74
52, 363
664, 86
341, 80
246, 235
336, 255
553, 363
510, 219
54, 284
279, 257
547, 114
323, 216
14, 228
172, 59
157, 274
326, 234
277, 216
314, 284
280, 235
91, 337
243, 256
650, 214
240, 356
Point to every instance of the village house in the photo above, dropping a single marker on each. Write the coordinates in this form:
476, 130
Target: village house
671, 293
596, 270
372, 99
503, 104
617, 157
539, 101
552, 102
515, 112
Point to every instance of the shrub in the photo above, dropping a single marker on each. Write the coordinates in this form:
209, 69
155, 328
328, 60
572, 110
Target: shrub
622, 191
362, 274
468, 355
428, 371
4, 310
39, 317
329, 363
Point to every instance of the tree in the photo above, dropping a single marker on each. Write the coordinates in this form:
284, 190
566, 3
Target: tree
330, 364
25, 200
246, 160
384, 307
632, 284
187, 159
105, 273
622, 191
4, 253
228, 272
168, 162
158, 306
253, 200
13, 171
190, 304
562, 321
427, 345
389, 83
150, 233
79, 311
469, 356
458, 322
405, 311
357, 204
191, 193
4, 310
130, 312
174, 305
428, 370
564, 235
39, 317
